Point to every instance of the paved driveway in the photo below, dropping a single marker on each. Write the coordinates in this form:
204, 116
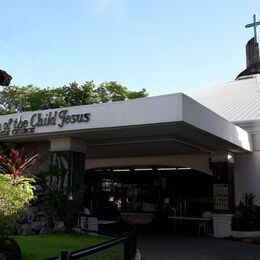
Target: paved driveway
164, 246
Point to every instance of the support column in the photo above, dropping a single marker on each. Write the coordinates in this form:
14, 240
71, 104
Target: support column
69, 155
223, 190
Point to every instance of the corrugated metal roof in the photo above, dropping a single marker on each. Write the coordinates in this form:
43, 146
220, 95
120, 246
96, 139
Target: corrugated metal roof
236, 100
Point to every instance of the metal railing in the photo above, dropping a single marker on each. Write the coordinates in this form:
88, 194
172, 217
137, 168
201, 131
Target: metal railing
121, 248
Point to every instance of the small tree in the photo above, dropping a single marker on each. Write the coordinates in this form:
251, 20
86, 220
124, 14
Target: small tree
13, 199
16, 191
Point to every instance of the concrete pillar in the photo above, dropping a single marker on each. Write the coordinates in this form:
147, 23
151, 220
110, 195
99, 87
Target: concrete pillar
223, 190
69, 155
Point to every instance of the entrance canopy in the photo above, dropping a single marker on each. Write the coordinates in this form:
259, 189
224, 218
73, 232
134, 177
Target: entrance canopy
170, 124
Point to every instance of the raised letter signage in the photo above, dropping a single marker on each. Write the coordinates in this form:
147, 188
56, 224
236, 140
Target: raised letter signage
60, 118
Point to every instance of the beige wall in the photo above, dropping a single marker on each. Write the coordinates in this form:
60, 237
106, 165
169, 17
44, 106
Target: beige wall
197, 162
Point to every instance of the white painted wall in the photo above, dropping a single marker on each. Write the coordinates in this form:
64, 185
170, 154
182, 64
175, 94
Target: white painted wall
142, 111
247, 166
247, 175
201, 117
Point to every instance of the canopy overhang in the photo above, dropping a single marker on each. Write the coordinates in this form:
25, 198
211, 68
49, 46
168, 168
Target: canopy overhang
169, 124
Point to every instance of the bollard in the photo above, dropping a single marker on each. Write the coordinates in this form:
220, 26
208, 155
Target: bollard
64, 255
127, 250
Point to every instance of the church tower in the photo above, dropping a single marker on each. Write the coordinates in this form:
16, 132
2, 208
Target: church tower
252, 52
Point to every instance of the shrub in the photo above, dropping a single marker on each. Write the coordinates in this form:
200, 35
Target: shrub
13, 199
16, 190
247, 215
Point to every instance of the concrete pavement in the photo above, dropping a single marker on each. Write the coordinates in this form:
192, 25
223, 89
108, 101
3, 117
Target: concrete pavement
156, 245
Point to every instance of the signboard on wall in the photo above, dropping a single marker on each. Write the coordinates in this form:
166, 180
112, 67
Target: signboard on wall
23, 126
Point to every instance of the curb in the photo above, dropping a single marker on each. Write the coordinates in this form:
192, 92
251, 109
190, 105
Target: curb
251, 241
254, 241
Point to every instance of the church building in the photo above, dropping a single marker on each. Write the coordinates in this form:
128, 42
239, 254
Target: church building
170, 155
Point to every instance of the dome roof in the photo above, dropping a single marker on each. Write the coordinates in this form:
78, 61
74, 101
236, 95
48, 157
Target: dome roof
236, 100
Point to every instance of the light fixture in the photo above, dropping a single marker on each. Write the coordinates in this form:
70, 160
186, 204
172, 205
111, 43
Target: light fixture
144, 169
70, 195
167, 169
173, 169
166, 200
121, 170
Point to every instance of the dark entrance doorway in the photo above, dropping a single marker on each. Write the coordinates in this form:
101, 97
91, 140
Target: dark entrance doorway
146, 195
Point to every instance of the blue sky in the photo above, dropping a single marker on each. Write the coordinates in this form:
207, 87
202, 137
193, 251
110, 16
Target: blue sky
165, 46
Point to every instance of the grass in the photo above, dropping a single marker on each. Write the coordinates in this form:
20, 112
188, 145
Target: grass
38, 247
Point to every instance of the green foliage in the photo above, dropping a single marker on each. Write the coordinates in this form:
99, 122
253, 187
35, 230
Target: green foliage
51, 190
111, 91
247, 200
15, 163
247, 215
13, 199
16, 190
30, 98
45, 246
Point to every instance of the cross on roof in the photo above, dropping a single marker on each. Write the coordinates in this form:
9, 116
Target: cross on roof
254, 24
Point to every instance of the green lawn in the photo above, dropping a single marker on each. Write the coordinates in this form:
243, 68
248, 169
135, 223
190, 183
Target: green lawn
39, 247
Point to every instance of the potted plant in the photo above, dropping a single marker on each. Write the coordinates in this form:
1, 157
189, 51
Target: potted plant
246, 219
16, 191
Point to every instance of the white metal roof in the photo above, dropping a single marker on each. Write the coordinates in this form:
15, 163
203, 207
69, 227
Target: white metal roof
235, 101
